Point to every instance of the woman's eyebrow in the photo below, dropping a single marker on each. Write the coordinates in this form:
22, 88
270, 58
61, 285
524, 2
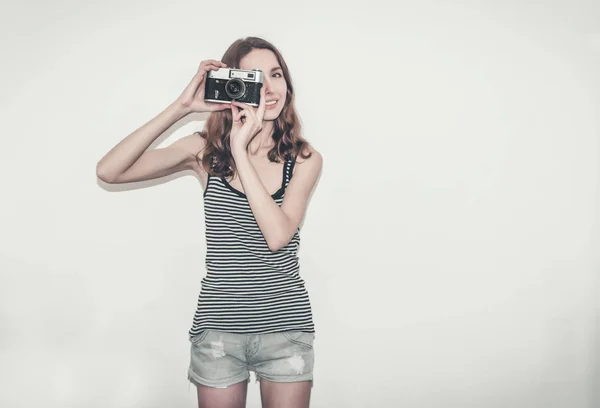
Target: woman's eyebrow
276, 68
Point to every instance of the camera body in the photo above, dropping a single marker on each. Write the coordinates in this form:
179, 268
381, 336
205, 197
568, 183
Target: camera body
227, 84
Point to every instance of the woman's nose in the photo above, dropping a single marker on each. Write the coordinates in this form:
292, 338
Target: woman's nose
267, 85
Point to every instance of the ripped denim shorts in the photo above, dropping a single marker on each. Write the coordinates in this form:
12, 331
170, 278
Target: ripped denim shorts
220, 359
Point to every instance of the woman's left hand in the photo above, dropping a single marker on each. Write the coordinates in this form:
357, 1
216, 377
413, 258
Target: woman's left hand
247, 121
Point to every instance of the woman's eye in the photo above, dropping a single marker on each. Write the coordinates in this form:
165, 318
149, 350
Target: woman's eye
277, 75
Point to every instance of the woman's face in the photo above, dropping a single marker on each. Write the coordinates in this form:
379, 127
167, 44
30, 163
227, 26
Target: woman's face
275, 85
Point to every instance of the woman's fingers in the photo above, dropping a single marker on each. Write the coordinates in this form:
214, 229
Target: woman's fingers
209, 65
262, 106
237, 114
192, 96
211, 62
198, 79
250, 110
244, 106
250, 114
202, 72
217, 106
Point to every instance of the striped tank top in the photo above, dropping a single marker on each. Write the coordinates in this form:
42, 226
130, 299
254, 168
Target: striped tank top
248, 288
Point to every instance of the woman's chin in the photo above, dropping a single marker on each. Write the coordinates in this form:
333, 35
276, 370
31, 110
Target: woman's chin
270, 115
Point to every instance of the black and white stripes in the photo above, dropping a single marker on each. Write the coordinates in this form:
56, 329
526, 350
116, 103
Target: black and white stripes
248, 288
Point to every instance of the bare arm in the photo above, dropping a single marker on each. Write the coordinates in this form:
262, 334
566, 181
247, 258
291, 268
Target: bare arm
129, 160
279, 224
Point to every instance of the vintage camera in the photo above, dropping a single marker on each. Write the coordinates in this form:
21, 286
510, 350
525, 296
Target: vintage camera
227, 84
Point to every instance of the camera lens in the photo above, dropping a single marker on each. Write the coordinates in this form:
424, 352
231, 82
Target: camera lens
235, 88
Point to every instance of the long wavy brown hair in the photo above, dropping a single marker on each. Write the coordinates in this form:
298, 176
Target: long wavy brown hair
289, 143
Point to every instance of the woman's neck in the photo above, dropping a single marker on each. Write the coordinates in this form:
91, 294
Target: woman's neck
264, 139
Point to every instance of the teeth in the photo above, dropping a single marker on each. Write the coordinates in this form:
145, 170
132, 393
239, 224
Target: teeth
271, 103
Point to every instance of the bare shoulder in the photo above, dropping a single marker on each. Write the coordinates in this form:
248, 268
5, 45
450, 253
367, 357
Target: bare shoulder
307, 169
305, 175
193, 145
313, 162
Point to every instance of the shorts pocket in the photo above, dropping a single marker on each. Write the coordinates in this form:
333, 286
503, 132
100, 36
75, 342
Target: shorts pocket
300, 338
196, 339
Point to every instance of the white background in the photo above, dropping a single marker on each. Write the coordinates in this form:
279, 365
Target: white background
450, 249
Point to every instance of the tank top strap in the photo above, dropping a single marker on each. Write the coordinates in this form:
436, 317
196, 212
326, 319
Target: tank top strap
288, 170
209, 174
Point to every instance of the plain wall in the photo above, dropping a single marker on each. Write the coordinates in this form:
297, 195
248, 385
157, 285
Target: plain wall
450, 249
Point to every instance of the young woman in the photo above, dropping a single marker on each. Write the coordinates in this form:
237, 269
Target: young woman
258, 173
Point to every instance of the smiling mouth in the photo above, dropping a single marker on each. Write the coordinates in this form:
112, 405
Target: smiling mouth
270, 103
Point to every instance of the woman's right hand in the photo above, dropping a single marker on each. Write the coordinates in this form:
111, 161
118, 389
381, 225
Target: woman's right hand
192, 98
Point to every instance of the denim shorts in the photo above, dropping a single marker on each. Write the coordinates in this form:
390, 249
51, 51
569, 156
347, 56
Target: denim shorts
220, 359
